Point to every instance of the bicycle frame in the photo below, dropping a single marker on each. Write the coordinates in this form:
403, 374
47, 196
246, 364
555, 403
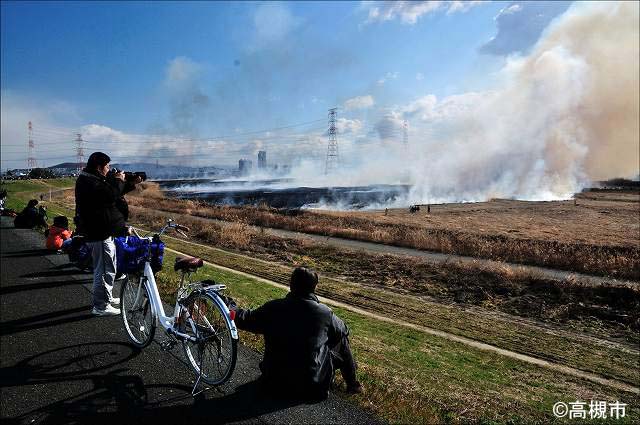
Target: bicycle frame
167, 322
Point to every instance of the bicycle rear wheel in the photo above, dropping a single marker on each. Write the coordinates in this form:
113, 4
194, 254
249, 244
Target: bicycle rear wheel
138, 315
213, 355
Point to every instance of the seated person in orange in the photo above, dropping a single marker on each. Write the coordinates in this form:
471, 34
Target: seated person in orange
58, 233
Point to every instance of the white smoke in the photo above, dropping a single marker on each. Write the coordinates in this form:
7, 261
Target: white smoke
566, 114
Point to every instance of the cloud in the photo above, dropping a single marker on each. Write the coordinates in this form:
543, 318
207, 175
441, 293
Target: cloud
419, 76
388, 76
410, 11
359, 102
347, 126
181, 72
124, 147
273, 22
429, 109
520, 25
463, 6
47, 117
389, 126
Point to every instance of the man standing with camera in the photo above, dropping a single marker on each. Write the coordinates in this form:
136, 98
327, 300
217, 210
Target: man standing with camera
99, 219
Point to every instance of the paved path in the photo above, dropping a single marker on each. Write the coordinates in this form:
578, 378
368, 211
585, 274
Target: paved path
379, 248
59, 364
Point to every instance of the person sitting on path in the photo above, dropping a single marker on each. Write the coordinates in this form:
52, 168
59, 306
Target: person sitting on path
58, 234
304, 341
30, 217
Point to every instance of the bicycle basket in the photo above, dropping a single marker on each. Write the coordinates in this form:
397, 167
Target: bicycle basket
131, 254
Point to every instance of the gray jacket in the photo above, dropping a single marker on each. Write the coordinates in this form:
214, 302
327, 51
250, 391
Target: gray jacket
299, 333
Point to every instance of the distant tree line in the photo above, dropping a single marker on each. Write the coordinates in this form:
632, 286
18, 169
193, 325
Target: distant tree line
42, 173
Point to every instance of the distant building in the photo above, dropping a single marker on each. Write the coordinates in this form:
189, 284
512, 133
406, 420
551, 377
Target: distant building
262, 160
245, 166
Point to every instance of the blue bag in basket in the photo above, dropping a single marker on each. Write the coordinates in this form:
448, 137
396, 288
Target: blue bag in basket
131, 253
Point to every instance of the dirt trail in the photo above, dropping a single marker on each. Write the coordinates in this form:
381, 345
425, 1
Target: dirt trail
377, 248
452, 337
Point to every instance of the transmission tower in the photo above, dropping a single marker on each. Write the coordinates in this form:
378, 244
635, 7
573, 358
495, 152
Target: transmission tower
31, 160
332, 149
405, 133
79, 152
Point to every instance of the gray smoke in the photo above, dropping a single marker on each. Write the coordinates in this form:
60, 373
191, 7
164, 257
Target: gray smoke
565, 114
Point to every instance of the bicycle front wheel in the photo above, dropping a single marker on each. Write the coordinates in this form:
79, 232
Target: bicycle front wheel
213, 355
138, 315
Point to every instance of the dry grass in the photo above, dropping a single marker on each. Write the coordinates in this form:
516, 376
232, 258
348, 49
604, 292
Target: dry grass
607, 311
598, 238
148, 190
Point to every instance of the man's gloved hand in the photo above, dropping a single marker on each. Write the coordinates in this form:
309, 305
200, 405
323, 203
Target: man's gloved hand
230, 302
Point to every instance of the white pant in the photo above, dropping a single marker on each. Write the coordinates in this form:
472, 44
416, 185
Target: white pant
104, 271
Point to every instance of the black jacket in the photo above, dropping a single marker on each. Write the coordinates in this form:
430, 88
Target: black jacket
29, 218
96, 210
299, 333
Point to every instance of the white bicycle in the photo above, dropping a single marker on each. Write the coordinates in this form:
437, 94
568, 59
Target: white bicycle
200, 320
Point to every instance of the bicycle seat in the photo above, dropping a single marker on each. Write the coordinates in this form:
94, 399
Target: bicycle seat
188, 264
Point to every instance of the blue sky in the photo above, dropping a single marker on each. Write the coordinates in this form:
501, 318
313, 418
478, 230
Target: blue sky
205, 69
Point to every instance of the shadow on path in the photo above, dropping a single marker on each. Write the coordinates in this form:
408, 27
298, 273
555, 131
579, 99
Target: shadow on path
121, 397
30, 253
40, 320
41, 285
54, 273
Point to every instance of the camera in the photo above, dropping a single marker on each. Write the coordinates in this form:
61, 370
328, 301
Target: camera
128, 175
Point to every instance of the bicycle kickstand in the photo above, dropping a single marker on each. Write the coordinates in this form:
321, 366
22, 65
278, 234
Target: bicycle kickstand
195, 393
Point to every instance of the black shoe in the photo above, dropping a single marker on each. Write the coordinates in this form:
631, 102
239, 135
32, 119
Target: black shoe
355, 388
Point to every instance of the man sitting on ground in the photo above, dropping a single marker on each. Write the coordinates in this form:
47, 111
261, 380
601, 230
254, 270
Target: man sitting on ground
31, 217
304, 342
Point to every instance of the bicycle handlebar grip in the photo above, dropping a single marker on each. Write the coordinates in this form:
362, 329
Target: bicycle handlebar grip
183, 228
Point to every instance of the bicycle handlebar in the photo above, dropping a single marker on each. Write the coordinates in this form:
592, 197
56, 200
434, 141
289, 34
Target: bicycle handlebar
170, 225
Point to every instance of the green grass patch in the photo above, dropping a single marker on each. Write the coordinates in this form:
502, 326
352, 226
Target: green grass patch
19, 192
413, 377
61, 183
561, 347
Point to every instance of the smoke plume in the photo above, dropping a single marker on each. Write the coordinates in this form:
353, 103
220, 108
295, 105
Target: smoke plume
564, 115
